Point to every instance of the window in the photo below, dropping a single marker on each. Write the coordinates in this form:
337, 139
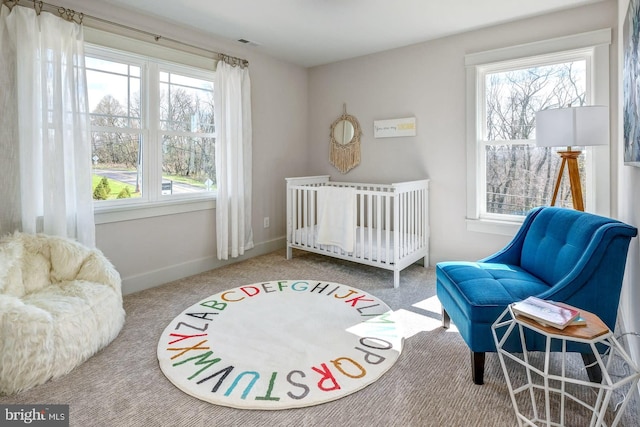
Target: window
509, 174
152, 130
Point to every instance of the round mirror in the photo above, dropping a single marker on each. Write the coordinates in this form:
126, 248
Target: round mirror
343, 132
345, 142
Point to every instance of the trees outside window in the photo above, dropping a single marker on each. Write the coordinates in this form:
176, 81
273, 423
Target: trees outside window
519, 175
187, 128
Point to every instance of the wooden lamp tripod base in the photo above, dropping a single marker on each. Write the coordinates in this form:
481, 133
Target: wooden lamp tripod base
570, 158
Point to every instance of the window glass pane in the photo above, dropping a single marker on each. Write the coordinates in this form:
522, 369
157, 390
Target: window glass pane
116, 165
522, 176
188, 165
189, 82
114, 93
186, 104
513, 97
105, 65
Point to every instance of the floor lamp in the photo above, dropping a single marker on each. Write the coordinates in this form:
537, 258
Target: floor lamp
571, 127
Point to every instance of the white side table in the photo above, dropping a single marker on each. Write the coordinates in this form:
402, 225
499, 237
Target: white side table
554, 385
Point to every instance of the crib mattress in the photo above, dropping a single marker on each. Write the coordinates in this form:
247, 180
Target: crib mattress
364, 248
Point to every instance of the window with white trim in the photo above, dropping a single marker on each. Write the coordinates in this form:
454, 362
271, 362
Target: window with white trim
152, 130
508, 173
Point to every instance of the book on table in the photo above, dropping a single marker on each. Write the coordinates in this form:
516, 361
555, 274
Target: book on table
546, 312
578, 321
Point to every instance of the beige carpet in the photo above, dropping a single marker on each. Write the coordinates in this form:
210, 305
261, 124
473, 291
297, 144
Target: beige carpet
430, 384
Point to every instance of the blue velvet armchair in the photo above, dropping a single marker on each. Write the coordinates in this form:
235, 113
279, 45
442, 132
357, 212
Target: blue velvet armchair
558, 254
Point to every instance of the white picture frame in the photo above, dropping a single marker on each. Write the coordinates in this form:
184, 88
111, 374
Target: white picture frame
393, 128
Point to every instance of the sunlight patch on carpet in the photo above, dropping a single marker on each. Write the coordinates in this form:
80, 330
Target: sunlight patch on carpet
412, 323
281, 344
431, 305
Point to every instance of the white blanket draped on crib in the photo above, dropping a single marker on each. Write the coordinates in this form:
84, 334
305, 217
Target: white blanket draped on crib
337, 217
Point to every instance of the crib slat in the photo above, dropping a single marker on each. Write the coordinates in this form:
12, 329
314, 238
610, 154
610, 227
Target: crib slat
403, 220
312, 209
300, 216
387, 228
303, 216
412, 221
290, 226
369, 228
418, 210
405, 223
361, 223
377, 228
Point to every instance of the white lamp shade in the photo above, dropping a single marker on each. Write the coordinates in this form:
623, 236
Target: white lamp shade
574, 126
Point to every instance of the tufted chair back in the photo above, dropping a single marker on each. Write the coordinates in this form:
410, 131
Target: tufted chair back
581, 255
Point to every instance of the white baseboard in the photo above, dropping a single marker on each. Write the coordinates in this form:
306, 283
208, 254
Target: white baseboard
170, 273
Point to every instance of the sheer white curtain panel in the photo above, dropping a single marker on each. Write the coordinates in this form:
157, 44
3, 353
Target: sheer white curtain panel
45, 121
232, 100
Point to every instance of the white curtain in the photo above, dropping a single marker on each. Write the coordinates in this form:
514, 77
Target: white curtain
45, 126
232, 101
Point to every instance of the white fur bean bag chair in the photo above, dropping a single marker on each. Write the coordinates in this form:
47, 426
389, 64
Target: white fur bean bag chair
60, 302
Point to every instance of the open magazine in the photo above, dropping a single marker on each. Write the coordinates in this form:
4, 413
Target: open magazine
548, 313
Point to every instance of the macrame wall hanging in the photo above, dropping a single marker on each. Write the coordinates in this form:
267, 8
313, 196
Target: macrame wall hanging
345, 142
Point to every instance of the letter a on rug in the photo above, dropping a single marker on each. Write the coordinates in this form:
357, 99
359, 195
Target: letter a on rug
279, 345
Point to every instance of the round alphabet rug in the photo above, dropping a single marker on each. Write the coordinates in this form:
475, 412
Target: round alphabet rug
278, 345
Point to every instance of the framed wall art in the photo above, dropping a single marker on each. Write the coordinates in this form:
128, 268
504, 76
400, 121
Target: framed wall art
631, 84
394, 127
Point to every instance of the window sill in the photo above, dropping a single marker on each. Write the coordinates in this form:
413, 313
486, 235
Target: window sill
107, 214
492, 226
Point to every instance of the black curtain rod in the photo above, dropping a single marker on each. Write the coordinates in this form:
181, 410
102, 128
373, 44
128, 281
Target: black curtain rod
78, 17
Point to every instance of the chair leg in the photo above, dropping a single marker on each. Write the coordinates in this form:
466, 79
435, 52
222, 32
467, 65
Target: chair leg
593, 369
477, 367
446, 320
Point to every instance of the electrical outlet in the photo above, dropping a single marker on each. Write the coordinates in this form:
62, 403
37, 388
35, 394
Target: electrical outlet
266, 222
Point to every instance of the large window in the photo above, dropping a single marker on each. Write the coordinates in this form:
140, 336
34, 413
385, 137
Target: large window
152, 129
509, 174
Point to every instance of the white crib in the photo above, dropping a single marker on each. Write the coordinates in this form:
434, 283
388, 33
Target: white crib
392, 222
